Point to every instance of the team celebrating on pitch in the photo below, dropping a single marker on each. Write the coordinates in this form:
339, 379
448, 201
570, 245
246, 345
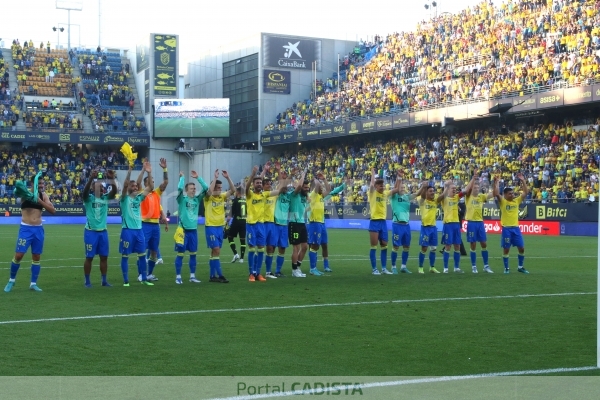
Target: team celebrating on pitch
271, 216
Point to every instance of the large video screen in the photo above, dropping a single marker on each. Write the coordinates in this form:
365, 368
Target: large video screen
191, 118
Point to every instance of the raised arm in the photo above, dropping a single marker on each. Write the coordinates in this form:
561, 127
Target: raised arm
524, 187
231, 190
111, 175
445, 192
203, 184
398, 184
165, 182
300, 183
126, 183
423, 190
496, 191
372, 186
469, 187
250, 180
150, 187
140, 178
211, 189
88, 185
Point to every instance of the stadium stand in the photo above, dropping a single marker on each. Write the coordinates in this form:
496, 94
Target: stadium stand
66, 169
488, 51
104, 93
560, 162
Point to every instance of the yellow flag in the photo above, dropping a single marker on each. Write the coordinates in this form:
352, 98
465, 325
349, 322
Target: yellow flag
127, 151
179, 235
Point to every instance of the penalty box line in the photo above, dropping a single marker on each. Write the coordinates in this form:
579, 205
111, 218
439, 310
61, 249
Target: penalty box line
291, 307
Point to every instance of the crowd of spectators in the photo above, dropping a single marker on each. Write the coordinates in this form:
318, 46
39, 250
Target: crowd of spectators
560, 162
66, 169
106, 97
42, 72
486, 51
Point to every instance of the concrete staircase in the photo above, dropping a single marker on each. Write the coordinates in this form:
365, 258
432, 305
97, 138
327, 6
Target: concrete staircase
88, 127
12, 81
137, 107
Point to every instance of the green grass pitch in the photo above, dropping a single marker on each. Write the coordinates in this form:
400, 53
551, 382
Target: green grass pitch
346, 323
210, 127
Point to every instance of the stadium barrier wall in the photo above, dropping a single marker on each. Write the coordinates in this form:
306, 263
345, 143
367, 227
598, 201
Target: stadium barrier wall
541, 228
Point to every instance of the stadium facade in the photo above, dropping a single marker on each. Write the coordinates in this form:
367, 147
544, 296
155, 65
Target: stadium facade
262, 75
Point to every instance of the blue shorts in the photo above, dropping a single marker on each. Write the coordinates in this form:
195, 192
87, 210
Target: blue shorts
190, 241
428, 236
270, 234
151, 235
132, 241
282, 236
256, 234
379, 226
96, 243
317, 233
511, 236
476, 232
214, 236
30, 236
400, 235
451, 232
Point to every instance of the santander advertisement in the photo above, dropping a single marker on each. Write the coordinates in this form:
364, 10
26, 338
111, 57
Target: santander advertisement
550, 228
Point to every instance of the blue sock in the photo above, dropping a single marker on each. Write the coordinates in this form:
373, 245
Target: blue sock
485, 255
158, 254
142, 266
125, 268
178, 263
373, 257
383, 257
87, 279
104, 278
312, 256
251, 256
394, 257
521, 258
505, 259
456, 259
218, 271
421, 259
432, 256
446, 259
405, 258
269, 262
193, 263
35, 271
473, 258
326, 263
279, 263
211, 265
151, 265
258, 260
14, 268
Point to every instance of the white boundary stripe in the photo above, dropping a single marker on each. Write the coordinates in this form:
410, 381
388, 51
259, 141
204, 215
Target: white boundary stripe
301, 306
406, 382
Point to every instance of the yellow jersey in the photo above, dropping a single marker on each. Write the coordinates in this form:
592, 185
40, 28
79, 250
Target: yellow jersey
317, 207
450, 208
214, 210
509, 212
475, 207
255, 202
378, 204
269, 211
428, 210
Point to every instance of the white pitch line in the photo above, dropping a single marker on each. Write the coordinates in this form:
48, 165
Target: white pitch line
294, 307
343, 388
